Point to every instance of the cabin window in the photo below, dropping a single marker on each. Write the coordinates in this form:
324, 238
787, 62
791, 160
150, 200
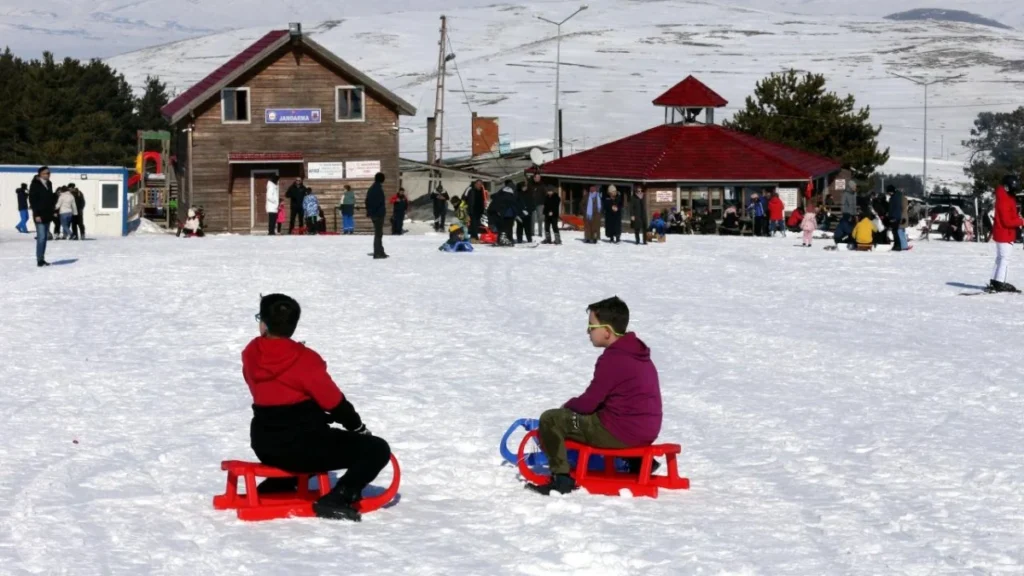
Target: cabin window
109, 197
349, 104
234, 105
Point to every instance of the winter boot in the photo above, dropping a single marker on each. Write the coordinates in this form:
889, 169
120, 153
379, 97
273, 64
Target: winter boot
338, 504
558, 239
561, 483
278, 486
1007, 287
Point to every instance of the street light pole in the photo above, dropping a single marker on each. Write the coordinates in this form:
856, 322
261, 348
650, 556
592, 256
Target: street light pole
558, 68
926, 84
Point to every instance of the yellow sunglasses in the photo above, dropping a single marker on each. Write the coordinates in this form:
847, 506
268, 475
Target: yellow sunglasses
592, 327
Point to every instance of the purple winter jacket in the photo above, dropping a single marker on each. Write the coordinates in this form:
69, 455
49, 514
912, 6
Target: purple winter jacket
624, 392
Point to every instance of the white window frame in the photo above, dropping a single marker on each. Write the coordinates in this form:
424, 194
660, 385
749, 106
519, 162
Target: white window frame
248, 103
99, 199
337, 100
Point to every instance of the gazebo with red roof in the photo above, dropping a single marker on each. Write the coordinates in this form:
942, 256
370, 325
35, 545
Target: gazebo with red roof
690, 164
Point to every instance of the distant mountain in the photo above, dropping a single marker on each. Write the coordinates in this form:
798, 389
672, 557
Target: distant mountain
943, 15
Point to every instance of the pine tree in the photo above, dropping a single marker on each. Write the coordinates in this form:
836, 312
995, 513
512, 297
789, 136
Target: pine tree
798, 111
148, 107
996, 148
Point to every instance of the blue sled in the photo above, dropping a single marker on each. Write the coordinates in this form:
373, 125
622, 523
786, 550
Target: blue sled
538, 459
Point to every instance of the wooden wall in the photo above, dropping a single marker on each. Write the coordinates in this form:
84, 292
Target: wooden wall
289, 79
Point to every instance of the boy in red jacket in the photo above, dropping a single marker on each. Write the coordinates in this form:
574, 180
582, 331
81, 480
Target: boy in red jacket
620, 409
294, 403
1004, 231
776, 215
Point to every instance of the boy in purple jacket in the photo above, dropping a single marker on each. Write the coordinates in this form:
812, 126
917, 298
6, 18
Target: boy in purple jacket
620, 409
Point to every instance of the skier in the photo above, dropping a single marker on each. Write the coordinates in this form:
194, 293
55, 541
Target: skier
1004, 231
552, 209
622, 406
22, 194
638, 216
294, 402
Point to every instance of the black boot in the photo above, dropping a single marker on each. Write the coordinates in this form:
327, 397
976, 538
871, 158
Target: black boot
561, 483
633, 465
1007, 287
338, 504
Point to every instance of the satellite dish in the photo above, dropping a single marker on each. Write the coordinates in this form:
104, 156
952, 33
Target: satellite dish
536, 156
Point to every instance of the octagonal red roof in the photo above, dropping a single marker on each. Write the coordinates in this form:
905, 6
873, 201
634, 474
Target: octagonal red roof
690, 93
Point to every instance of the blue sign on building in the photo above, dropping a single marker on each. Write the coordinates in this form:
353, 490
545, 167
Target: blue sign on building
292, 116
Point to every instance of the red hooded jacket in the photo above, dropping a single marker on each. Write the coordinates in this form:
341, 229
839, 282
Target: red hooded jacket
776, 209
281, 372
1008, 220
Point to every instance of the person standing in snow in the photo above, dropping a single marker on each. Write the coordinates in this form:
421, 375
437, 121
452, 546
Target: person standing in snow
40, 195
552, 208
613, 214
476, 203
808, 225
880, 204
757, 212
638, 216
1004, 231
503, 212
897, 220
296, 194
348, 211
78, 220
620, 409
273, 204
776, 215
591, 210
527, 206
539, 190
847, 221
311, 209
376, 210
23, 208
399, 204
440, 200
67, 209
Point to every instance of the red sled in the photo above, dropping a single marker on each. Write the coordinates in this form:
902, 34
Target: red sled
610, 481
252, 506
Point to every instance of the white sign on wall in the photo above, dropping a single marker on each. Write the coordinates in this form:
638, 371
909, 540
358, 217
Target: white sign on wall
840, 184
664, 196
790, 197
363, 169
325, 171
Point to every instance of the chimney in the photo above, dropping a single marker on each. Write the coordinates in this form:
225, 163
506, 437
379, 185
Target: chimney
484, 135
295, 30
431, 140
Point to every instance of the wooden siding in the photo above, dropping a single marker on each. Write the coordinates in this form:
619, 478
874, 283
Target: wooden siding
289, 79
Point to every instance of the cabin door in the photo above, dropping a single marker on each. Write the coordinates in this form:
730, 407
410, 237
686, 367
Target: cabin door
258, 197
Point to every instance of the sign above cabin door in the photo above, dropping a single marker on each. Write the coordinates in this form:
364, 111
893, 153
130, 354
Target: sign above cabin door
258, 180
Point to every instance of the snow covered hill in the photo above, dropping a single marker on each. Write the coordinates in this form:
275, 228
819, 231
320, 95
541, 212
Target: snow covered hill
618, 56
840, 413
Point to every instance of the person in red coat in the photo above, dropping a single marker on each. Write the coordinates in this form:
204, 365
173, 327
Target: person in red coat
295, 401
1004, 231
776, 215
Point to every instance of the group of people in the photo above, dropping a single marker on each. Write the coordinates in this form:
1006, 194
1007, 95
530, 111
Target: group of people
304, 207
611, 207
295, 402
68, 213
528, 210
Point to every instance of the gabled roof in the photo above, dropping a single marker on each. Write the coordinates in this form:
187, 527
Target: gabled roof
256, 54
690, 93
692, 153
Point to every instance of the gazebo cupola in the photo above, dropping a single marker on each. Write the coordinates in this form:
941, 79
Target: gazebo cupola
684, 102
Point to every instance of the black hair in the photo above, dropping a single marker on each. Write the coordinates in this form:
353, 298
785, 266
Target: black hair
274, 178
280, 314
42, 169
613, 312
379, 178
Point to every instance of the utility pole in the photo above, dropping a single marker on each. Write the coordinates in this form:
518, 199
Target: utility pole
442, 62
556, 140
926, 84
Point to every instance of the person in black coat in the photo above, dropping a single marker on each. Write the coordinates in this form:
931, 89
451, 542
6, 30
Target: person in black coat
78, 220
377, 210
552, 211
440, 199
401, 204
476, 200
40, 196
296, 193
612, 204
527, 205
638, 216
502, 213
22, 194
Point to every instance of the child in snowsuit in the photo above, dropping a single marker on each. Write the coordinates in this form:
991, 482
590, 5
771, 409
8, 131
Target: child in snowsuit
294, 403
658, 227
809, 225
620, 409
462, 215
311, 210
280, 219
456, 241
863, 237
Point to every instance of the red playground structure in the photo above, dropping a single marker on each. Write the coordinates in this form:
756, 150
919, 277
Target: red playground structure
252, 506
610, 482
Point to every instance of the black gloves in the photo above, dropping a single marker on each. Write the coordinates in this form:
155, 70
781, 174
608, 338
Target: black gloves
345, 414
362, 430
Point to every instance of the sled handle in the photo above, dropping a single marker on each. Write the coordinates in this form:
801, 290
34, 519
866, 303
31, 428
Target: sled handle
528, 424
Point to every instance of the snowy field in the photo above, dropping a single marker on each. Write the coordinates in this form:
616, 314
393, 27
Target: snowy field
840, 413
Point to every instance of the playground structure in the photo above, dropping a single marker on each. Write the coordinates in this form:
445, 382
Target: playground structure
253, 506
153, 185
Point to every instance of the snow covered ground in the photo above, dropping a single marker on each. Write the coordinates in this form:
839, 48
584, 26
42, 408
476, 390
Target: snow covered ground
840, 413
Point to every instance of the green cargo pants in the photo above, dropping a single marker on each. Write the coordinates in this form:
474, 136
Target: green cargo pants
560, 424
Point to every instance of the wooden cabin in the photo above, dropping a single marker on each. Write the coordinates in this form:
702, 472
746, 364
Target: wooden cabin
285, 106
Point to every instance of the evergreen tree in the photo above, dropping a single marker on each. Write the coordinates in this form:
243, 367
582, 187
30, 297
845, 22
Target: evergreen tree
996, 148
153, 99
798, 111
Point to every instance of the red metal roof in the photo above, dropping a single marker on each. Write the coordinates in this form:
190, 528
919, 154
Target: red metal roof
265, 156
186, 98
692, 153
690, 93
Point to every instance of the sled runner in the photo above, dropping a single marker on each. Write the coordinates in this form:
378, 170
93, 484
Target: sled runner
252, 506
609, 481
536, 458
